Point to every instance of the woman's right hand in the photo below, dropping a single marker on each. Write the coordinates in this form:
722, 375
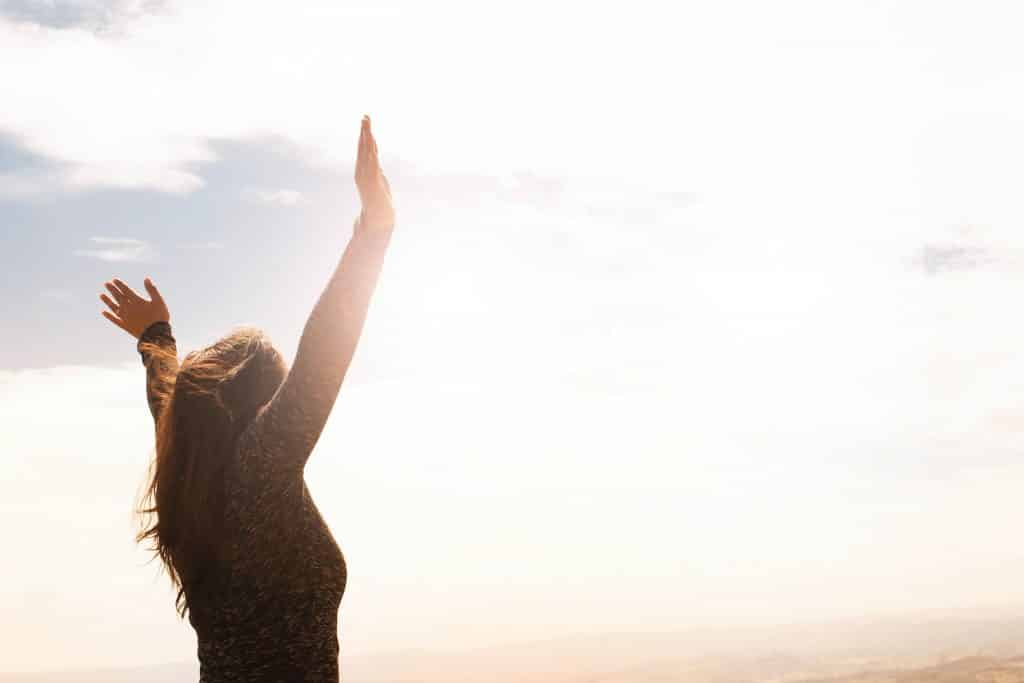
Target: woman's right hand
374, 190
131, 312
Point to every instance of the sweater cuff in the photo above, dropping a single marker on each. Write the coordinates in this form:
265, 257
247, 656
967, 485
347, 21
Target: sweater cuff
158, 331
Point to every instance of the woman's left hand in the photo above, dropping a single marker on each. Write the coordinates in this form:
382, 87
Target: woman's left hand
374, 190
131, 312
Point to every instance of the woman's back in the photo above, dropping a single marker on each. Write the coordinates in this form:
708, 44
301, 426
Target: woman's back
274, 614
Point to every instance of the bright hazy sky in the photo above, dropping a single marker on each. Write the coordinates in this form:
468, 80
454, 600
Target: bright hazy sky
697, 312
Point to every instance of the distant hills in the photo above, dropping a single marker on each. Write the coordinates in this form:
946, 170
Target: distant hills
921, 650
966, 670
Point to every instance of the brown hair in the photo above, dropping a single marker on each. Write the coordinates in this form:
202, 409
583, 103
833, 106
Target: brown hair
205, 406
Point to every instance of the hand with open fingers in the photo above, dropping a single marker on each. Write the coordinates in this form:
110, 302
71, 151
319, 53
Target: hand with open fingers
131, 312
378, 212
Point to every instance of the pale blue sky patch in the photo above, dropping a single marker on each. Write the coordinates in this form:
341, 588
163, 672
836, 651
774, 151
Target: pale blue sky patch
202, 245
62, 295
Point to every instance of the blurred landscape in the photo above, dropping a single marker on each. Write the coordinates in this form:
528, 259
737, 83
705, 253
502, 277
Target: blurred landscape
906, 650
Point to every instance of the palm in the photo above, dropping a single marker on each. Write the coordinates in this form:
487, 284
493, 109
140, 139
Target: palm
373, 186
131, 312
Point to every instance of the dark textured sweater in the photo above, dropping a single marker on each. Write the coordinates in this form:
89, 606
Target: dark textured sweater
275, 617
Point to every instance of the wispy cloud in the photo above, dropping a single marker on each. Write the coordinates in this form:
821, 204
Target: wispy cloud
971, 248
939, 258
89, 14
280, 197
68, 179
119, 250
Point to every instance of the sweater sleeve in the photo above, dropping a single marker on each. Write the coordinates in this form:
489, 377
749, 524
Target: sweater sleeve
289, 426
159, 354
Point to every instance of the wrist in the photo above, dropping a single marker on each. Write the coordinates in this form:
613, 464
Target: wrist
157, 328
375, 226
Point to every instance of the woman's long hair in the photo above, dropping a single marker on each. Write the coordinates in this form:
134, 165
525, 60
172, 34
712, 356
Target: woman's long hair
205, 406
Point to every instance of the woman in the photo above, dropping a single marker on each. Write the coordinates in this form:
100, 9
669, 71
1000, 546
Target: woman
232, 521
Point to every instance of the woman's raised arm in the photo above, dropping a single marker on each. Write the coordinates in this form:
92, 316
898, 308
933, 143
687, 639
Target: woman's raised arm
290, 425
149, 323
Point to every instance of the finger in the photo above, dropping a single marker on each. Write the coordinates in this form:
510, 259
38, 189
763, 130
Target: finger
114, 319
154, 293
361, 151
128, 291
118, 285
368, 161
119, 296
109, 302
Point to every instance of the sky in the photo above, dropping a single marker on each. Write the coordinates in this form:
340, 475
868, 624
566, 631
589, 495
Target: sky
696, 313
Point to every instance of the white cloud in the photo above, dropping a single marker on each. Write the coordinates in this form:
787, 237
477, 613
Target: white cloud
281, 197
119, 249
137, 110
822, 173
